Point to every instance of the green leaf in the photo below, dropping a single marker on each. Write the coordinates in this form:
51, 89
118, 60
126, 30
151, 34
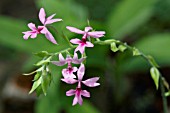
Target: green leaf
113, 47
152, 61
136, 52
39, 90
42, 54
129, 15
45, 83
167, 94
155, 76
35, 85
37, 76
122, 48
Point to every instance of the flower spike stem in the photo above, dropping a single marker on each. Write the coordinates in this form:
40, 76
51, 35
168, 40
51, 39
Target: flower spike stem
164, 99
149, 59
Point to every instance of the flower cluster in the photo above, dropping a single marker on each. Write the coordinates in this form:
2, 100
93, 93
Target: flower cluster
71, 74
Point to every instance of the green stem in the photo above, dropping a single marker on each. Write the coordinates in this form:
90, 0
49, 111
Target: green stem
146, 57
164, 99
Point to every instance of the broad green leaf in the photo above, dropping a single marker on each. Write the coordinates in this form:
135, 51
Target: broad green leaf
113, 47
35, 85
155, 76
129, 15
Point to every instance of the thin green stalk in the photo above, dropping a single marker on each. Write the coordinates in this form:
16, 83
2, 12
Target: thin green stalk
164, 99
148, 59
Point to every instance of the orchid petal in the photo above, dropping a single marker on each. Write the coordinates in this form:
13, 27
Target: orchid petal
75, 100
75, 59
71, 92
75, 69
89, 44
80, 72
75, 30
49, 36
96, 34
32, 26
80, 100
42, 15
80, 48
69, 80
75, 41
33, 35
85, 93
66, 74
59, 63
87, 29
91, 82
26, 34
52, 21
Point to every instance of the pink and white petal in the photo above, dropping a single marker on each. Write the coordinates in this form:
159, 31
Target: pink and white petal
75, 30
87, 29
75, 57
80, 100
66, 74
44, 29
27, 34
61, 58
96, 34
85, 93
32, 26
33, 35
50, 17
91, 82
71, 92
80, 48
80, 72
75, 41
69, 80
75, 69
52, 21
89, 44
76, 60
42, 15
50, 37
75, 100
59, 63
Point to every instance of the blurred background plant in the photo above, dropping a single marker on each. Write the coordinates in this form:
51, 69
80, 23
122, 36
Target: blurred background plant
126, 85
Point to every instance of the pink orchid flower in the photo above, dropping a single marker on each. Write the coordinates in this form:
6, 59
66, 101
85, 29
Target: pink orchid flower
92, 82
84, 43
79, 92
41, 29
68, 72
34, 32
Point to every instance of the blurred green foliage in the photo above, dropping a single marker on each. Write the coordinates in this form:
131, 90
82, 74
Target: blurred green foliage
125, 19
